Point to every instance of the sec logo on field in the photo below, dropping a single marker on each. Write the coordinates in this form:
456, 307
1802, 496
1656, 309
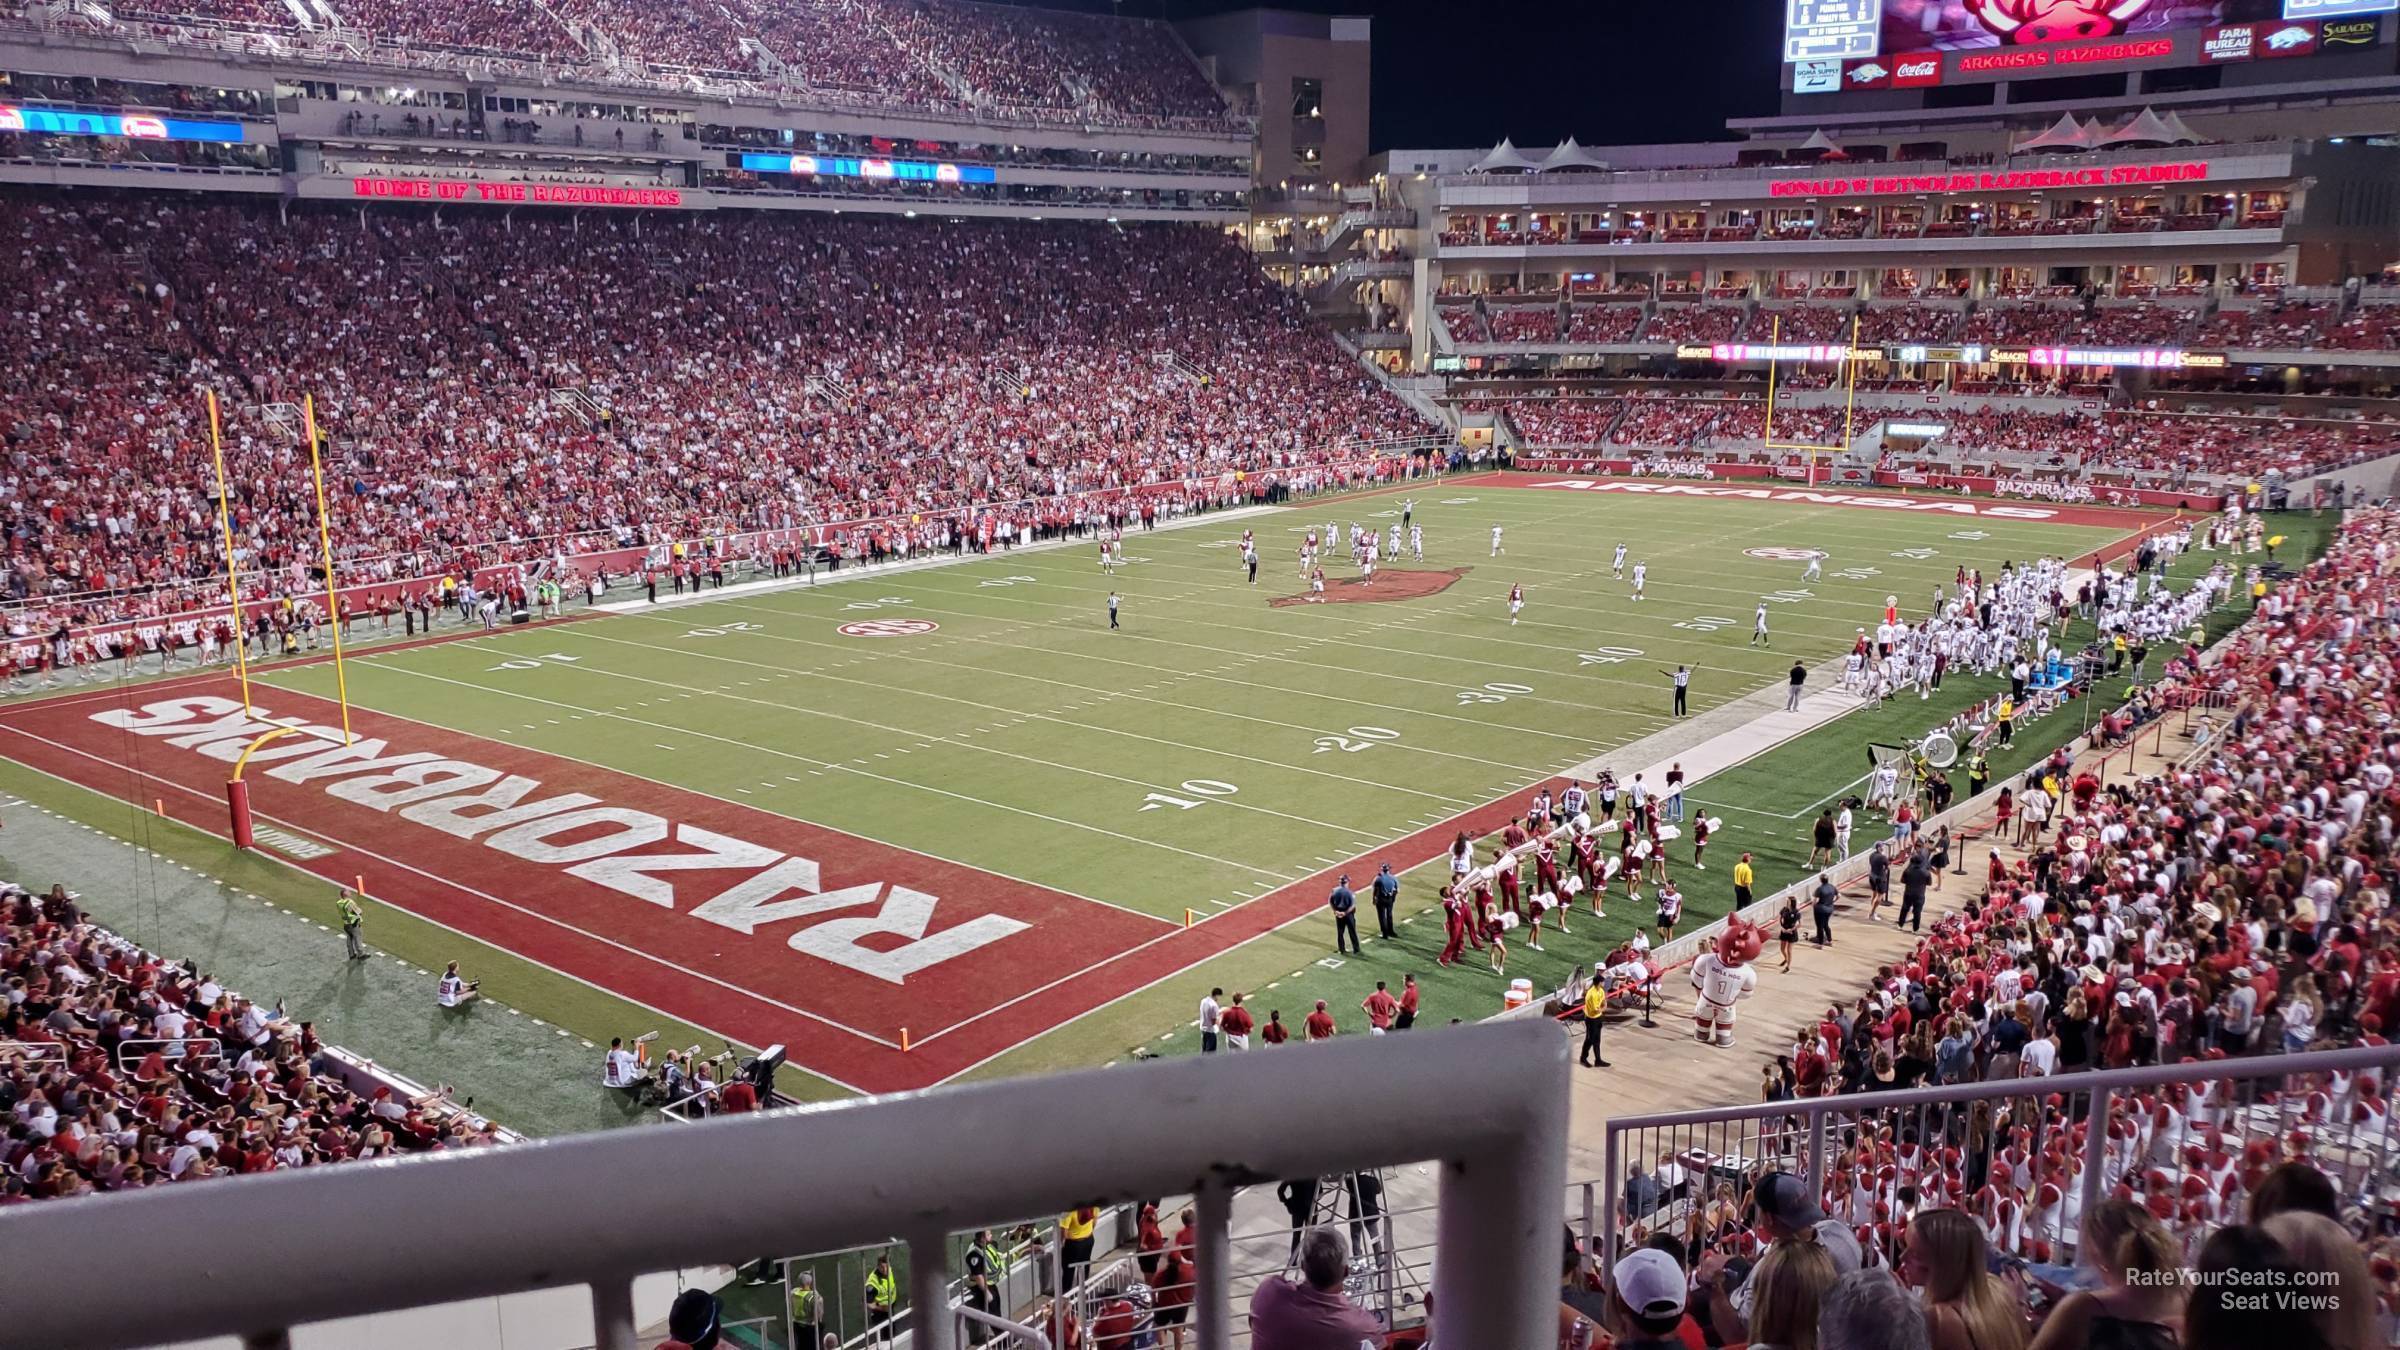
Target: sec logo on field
1785, 554
888, 628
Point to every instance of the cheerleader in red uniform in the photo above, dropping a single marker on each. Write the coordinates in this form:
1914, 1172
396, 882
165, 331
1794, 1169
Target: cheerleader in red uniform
1487, 918
1454, 919
1546, 878
1504, 867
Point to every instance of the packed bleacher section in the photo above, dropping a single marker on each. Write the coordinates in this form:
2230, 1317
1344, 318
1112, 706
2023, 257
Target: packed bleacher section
2284, 326
120, 1070
1035, 64
2141, 324
2233, 904
1664, 422
753, 371
1603, 323
1694, 323
2237, 904
1524, 323
1557, 423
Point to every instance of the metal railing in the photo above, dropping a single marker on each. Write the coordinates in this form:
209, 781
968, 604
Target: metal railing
176, 1048
2024, 1154
598, 1210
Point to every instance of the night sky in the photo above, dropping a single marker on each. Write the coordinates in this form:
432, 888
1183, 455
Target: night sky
1611, 72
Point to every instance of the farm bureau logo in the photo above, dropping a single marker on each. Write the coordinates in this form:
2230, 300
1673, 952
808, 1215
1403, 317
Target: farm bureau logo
580, 835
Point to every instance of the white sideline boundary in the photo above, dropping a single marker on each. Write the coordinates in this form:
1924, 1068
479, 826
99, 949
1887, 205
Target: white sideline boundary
875, 571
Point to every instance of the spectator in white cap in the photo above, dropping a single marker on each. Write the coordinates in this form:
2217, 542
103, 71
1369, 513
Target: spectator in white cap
1785, 1204
1649, 1296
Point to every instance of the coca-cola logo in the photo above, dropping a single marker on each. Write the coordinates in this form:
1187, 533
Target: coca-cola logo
1916, 71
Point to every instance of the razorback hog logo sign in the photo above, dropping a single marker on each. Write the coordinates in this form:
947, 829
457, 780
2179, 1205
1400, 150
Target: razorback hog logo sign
2031, 21
747, 885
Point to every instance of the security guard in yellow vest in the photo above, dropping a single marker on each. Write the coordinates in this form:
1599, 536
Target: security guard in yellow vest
987, 1266
808, 1312
353, 918
883, 1299
1595, 1008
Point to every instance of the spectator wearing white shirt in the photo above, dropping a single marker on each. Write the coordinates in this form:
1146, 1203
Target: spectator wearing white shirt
455, 992
2039, 1058
622, 1068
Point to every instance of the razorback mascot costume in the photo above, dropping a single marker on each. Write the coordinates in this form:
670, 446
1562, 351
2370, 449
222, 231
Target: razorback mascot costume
1724, 978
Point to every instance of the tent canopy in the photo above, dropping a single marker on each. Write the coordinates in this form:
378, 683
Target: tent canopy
1570, 157
1505, 158
2145, 129
2064, 134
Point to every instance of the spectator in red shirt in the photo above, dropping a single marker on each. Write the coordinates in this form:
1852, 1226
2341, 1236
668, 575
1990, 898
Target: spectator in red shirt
1381, 1009
1274, 1033
1319, 1024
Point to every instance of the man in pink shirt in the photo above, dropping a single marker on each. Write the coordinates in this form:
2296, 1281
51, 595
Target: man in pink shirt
1312, 1314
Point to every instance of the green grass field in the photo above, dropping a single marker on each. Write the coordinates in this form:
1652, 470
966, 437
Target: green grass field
1215, 751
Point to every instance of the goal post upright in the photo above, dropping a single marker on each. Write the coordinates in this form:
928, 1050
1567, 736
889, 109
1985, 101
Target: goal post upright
1849, 397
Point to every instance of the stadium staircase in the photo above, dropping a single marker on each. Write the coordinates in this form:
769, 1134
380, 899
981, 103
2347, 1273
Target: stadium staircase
829, 389
1180, 366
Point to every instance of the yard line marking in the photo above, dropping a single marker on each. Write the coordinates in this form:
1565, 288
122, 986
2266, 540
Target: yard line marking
1170, 703
898, 782
807, 711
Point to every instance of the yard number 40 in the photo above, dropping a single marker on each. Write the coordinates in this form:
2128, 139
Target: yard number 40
535, 662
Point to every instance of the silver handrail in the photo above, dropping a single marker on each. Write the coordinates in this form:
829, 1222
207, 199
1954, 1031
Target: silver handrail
601, 1209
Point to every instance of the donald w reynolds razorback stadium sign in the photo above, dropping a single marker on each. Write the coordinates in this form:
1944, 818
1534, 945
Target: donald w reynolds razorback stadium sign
2115, 175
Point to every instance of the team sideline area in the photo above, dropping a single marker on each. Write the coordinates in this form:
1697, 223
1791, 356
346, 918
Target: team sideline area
857, 674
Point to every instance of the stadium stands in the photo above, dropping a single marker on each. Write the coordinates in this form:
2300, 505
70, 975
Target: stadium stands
934, 54
1694, 323
121, 1070
1560, 423
1665, 422
2235, 904
741, 372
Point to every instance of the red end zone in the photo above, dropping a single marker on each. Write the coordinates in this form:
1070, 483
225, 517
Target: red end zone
1963, 508
754, 925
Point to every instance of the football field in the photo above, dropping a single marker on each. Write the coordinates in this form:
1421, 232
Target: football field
906, 822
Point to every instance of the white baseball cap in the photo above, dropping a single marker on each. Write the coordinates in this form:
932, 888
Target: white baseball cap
1650, 1283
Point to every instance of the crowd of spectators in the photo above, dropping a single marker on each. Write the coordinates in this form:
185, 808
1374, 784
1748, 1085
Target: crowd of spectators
1694, 323
120, 1070
1564, 423
2019, 324
2273, 327
2140, 324
495, 391
1802, 323
1603, 322
2236, 904
1666, 422
1041, 64
1524, 323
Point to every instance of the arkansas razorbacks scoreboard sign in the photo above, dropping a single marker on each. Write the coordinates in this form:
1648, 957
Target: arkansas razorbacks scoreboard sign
756, 926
